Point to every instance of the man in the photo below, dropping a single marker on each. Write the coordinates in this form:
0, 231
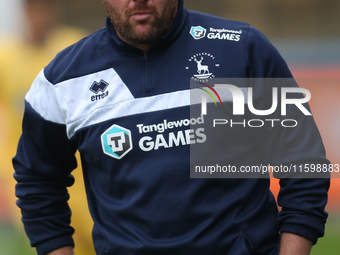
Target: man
120, 97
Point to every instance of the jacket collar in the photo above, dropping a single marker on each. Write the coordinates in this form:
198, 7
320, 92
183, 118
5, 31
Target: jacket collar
171, 36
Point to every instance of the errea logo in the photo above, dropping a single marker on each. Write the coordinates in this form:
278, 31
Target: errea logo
97, 87
198, 32
116, 141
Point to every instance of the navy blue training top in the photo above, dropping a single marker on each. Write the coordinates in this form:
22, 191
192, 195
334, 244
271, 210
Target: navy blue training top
128, 113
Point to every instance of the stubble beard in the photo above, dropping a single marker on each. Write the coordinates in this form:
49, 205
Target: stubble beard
158, 28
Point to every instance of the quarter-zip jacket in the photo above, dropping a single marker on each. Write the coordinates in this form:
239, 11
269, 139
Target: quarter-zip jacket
107, 99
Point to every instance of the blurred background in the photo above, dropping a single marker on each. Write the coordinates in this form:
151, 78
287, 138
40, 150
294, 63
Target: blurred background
306, 32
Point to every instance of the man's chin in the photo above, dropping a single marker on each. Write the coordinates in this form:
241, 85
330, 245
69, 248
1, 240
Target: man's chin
143, 29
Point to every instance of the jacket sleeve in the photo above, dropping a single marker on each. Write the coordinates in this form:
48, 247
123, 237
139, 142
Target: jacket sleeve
43, 163
303, 197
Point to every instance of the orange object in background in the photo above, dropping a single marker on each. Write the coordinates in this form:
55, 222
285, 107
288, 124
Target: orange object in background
324, 84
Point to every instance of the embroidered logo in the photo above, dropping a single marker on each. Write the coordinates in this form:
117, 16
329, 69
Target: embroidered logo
97, 87
203, 63
116, 141
198, 32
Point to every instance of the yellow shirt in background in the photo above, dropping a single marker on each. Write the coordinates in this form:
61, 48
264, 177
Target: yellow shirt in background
20, 63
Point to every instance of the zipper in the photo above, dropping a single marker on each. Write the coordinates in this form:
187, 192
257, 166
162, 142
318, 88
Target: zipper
145, 84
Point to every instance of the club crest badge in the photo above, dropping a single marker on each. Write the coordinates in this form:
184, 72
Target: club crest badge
203, 64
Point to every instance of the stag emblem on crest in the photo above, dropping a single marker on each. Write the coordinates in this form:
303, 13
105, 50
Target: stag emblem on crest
204, 63
202, 70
